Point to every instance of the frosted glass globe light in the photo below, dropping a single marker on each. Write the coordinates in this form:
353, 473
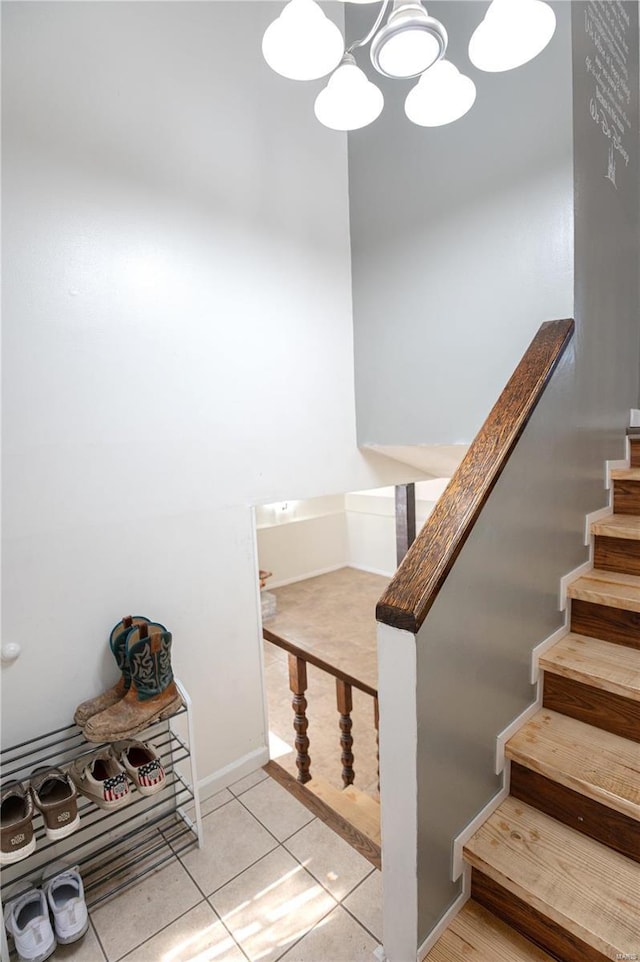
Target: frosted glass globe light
406, 54
409, 43
441, 96
349, 101
302, 44
512, 33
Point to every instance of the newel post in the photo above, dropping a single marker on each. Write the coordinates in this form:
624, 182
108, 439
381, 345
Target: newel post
397, 693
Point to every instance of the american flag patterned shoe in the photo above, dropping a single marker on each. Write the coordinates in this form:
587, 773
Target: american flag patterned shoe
142, 764
100, 778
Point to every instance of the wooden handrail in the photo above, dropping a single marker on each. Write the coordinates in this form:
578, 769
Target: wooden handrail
318, 662
416, 583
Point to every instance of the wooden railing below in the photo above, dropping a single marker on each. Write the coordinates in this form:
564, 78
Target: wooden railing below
345, 683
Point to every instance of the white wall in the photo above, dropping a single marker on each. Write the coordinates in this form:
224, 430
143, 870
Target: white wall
300, 539
461, 239
177, 345
371, 524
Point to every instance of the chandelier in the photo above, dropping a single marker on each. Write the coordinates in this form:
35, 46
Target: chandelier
303, 44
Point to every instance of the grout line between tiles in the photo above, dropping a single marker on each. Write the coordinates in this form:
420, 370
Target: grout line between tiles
306, 871
277, 844
265, 827
98, 939
199, 887
305, 934
227, 929
161, 929
230, 787
338, 901
202, 901
319, 881
202, 893
219, 807
360, 922
237, 875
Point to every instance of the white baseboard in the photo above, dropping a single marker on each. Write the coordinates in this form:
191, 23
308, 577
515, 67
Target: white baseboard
461, 840
449, 915
605, 512
215, 782
614, 466
325, 571
515, 725
544, 646
372, 571
591, 518
566, 580
305, 576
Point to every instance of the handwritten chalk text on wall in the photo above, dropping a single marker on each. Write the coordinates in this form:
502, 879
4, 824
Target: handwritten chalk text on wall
606, 23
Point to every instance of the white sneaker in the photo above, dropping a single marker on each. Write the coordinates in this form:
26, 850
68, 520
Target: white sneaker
65, 895
27, 920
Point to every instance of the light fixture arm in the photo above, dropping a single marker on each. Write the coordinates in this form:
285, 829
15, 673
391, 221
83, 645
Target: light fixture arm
379, 19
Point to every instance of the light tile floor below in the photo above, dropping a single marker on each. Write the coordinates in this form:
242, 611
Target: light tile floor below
271, 882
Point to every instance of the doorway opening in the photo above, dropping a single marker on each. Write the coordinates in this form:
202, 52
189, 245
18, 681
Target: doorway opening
324, 563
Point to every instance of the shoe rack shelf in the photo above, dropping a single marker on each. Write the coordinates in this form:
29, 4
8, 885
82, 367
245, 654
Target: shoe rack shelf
112, 849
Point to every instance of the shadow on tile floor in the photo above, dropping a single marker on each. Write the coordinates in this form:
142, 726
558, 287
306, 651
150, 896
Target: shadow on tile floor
272, 882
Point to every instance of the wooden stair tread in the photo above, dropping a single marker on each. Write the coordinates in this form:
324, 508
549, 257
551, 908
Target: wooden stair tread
591, 761
618, 526
364, 802
581, 885
594, 662
353, 807
609, 588
625, 474
477, 935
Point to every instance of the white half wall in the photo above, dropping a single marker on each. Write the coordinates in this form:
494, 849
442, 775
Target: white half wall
397, 693
371, 524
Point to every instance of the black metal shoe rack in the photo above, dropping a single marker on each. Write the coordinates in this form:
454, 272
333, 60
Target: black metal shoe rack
111, 849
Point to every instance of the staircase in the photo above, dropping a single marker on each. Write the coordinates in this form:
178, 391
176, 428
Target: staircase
554, 870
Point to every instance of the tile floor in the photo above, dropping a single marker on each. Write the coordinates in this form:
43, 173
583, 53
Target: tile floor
332, 615
272, 882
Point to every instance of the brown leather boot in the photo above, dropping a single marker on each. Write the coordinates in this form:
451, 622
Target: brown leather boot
152, 696
118, 645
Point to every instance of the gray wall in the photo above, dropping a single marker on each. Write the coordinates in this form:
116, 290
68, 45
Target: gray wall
474, 650
606, 234
461, 239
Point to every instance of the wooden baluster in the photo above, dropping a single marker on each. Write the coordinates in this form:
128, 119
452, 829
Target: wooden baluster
376, 722
345, 707
298, 685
